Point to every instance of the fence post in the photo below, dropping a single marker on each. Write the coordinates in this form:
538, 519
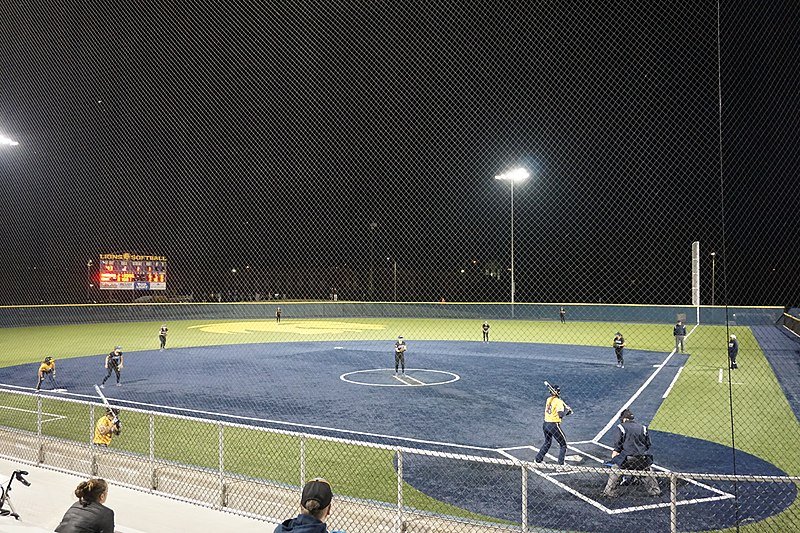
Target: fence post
673, 502
302, 461
221, 458
399, 491
40, 454
152, 452
92, 449
524, 498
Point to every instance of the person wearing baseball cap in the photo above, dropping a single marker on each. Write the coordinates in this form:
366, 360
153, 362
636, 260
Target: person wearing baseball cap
114, 361
315, 506
631, 452
47, 368
400, 355
733, 351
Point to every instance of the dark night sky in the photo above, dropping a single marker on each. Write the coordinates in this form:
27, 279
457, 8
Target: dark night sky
274, 135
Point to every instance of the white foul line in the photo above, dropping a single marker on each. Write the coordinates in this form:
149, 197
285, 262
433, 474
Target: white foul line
678, 373
638, 392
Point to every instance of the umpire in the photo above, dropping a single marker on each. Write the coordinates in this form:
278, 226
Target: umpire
733, 351
679, 331
631, 452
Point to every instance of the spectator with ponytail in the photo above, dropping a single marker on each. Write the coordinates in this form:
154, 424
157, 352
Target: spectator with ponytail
315, 507
89, 514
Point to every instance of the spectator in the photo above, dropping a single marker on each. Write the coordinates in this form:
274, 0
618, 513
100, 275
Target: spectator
315, 507
89, 514
485, 328
562, 314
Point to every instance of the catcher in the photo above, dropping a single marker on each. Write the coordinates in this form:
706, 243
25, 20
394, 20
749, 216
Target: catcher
107, 425
400, 355
47, 368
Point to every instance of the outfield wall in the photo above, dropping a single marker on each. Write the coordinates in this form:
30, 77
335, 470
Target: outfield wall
48, 315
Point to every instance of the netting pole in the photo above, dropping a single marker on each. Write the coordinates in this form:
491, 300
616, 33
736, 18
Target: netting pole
696, 280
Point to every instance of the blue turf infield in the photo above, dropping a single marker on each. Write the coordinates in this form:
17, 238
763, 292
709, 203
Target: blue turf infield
456, 396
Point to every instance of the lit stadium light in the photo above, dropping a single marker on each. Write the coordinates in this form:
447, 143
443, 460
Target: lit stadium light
517, 174
6, 141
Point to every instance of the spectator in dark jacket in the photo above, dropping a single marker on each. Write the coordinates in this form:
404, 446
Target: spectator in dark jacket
315, 506
679, 331
88, 514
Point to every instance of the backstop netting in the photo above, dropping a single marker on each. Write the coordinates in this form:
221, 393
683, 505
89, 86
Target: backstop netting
363, 241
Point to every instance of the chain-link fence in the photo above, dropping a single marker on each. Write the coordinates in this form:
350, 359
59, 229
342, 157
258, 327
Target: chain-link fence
258, 472
256, 202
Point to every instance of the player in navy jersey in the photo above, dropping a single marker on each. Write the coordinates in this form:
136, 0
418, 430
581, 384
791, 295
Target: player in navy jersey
162, 336
113, 364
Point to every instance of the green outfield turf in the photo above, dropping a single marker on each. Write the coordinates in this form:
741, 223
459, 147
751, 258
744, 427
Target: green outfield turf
698, 405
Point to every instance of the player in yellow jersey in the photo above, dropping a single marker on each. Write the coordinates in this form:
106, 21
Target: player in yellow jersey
47, 368
554, 411
107, 425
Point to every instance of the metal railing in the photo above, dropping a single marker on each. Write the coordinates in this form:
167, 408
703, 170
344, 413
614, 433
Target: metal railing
211, 463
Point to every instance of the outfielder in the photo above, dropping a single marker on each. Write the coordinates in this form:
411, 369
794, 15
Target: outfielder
162, 337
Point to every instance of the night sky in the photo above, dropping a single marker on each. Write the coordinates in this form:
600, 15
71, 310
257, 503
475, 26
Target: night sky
312, 141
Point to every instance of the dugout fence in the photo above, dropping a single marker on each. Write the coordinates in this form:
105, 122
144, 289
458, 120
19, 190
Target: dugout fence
258, 471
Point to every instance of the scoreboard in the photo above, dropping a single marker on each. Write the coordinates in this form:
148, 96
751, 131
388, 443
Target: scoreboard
128, 272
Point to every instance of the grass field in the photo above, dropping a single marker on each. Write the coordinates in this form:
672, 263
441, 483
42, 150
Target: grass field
369, 473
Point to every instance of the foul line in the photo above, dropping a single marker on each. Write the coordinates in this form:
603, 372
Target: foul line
52, 416
638, 392
678, 373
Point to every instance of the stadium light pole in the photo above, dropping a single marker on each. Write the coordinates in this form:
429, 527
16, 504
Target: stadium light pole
517, 174
713, 266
